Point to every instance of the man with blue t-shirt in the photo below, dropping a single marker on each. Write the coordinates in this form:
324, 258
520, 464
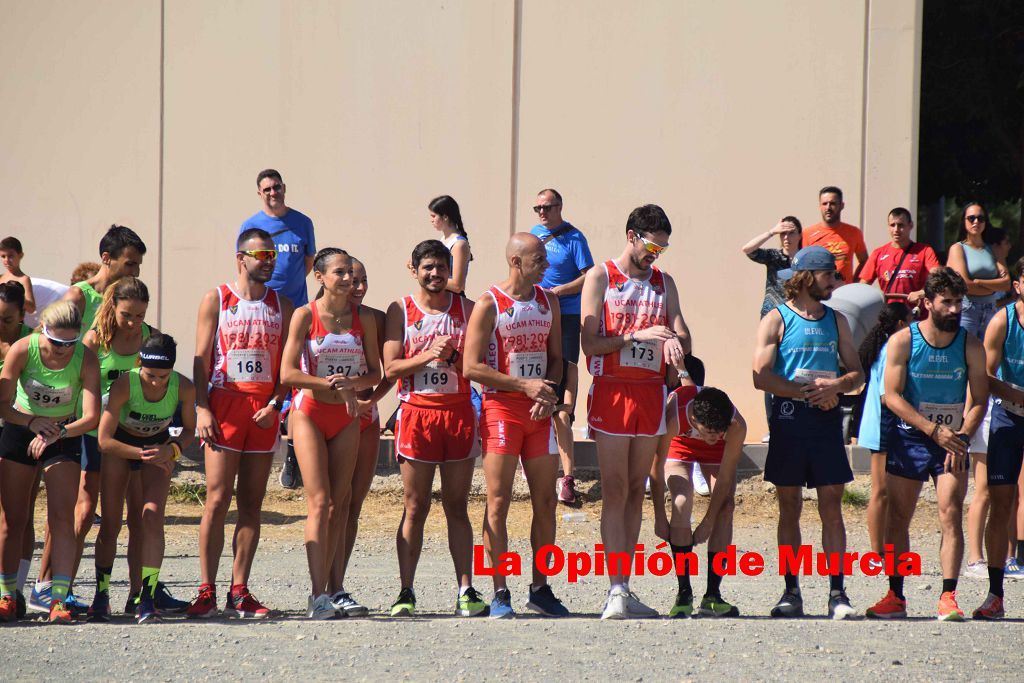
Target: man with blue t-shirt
292, 233
569, 260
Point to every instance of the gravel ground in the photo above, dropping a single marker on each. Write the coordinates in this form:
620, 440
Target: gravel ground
437, 645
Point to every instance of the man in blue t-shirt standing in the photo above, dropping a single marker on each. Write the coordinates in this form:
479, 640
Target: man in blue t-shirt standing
569, 258
292, 233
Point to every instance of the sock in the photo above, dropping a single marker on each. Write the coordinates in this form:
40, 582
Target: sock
792, 583
1019, 555
238, 589
835, 583
463, 589
714, 578
23, 568
684, 578
620, 586
150, 576
103, 579
534, 589
896, 586
995, 581
8, 583
948, 585
61, 585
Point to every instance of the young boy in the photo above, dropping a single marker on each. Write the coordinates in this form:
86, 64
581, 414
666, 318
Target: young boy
10, 255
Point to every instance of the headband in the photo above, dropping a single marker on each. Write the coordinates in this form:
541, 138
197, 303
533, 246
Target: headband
157, 360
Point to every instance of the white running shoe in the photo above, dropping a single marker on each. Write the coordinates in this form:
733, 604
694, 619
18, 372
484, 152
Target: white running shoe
623, 604
700, 484
320, 607
977, 569
343, 602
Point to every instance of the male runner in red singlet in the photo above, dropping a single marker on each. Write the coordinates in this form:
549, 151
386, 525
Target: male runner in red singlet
514, 349
632, 332
239, 340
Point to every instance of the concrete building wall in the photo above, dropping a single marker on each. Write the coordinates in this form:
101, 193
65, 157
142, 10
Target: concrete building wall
729, 115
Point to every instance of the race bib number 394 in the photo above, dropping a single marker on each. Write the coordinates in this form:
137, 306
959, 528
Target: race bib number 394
46, 396
248, 365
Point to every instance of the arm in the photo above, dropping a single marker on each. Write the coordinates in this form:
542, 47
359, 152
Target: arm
269, 414
676, 323
570, 288
119, 393
90, 397
995, 337
769, 334
30, 296
187, 396
382, 389
14, 365
309, 264
780, 227
594, 343
661, 528
291, 359
460, 267
958, 262
396, 365
823, 393
867, 273
862, 256
998, 284
75, 296
725, 485
977, 380
206, 329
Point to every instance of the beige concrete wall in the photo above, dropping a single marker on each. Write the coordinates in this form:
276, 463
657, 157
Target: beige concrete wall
728, 114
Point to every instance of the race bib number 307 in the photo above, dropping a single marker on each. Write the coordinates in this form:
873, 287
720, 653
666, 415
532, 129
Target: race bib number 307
248, 365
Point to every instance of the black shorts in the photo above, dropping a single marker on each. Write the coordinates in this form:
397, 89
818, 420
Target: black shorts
806, 446
1005, 447
15, 439
571, 337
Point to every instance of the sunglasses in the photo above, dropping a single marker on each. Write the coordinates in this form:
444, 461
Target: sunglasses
276, 187
58, 342
261, 254
651, 247
544, 207
978, 218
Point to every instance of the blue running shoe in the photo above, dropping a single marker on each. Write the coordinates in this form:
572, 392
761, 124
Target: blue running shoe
40, 600
99, 610
74, 605
501, 606
543, 602
146, 611
165, 602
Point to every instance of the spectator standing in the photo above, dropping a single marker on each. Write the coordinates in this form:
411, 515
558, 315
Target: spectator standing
843, 240
901, 266
987, 278
790, 232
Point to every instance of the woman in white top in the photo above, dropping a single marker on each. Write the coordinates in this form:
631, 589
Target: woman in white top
446, 218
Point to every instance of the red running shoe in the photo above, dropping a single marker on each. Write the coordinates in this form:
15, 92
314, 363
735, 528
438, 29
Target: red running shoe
8, 608
245, 606
60, 613
204, 606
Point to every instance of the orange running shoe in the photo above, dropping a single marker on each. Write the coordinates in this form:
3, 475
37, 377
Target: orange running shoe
889, 607
60, 613
990, 610
8, 608
948, 609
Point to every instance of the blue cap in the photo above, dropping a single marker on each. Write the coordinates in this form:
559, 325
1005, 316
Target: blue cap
809, 258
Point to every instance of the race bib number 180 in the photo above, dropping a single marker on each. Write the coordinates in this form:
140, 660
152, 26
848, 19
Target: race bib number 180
248, 365
950, 415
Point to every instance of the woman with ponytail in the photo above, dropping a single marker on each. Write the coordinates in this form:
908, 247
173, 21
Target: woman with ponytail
447, 219
876, 418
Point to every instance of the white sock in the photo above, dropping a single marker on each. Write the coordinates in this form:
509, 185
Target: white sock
621, 586
23, 568
463, 589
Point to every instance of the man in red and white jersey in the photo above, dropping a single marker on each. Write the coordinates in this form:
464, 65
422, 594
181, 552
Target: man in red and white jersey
239, 339
424, 335
514, 349
632, 333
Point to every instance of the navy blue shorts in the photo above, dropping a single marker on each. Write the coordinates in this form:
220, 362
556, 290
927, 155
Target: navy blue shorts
806, 446
885, 424
1005, 447
912, 454
92, 459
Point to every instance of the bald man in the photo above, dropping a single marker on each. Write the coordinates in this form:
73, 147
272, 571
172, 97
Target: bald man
514, 349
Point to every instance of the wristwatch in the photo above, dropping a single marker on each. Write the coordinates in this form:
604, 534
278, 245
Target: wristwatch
274, 403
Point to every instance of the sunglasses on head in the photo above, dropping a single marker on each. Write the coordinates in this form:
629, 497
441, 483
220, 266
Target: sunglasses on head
261, 254
544, 207
977, 218
276, 187
651, 247
58, 342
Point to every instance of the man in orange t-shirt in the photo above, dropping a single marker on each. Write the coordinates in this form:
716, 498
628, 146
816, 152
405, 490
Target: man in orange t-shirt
841, 239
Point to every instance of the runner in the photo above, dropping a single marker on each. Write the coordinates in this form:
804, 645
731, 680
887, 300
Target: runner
929, 368
514, 349
239, 338
366, 457
632, 330
702, 426
800, 346
436, 425
134, 429
43, 378
1004, 358
331, 352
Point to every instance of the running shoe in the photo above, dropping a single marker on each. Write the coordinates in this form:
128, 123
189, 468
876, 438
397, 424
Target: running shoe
77, 607
131, 605
1012, 570
700, 484
291, 475
948, 609
566, 489
889, 607
543, 602
637, 609
789, 606
990, 610
347, 606
624, 604
245, 606
39, 601
876, 565
977, 569
839, 606
60, 613
405, 605
146, 613
501, 605
165, 602
321, 608
204, 606
683, 609
715, 606
471, 604
22, 609
8, 608
647, 487
99, 610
